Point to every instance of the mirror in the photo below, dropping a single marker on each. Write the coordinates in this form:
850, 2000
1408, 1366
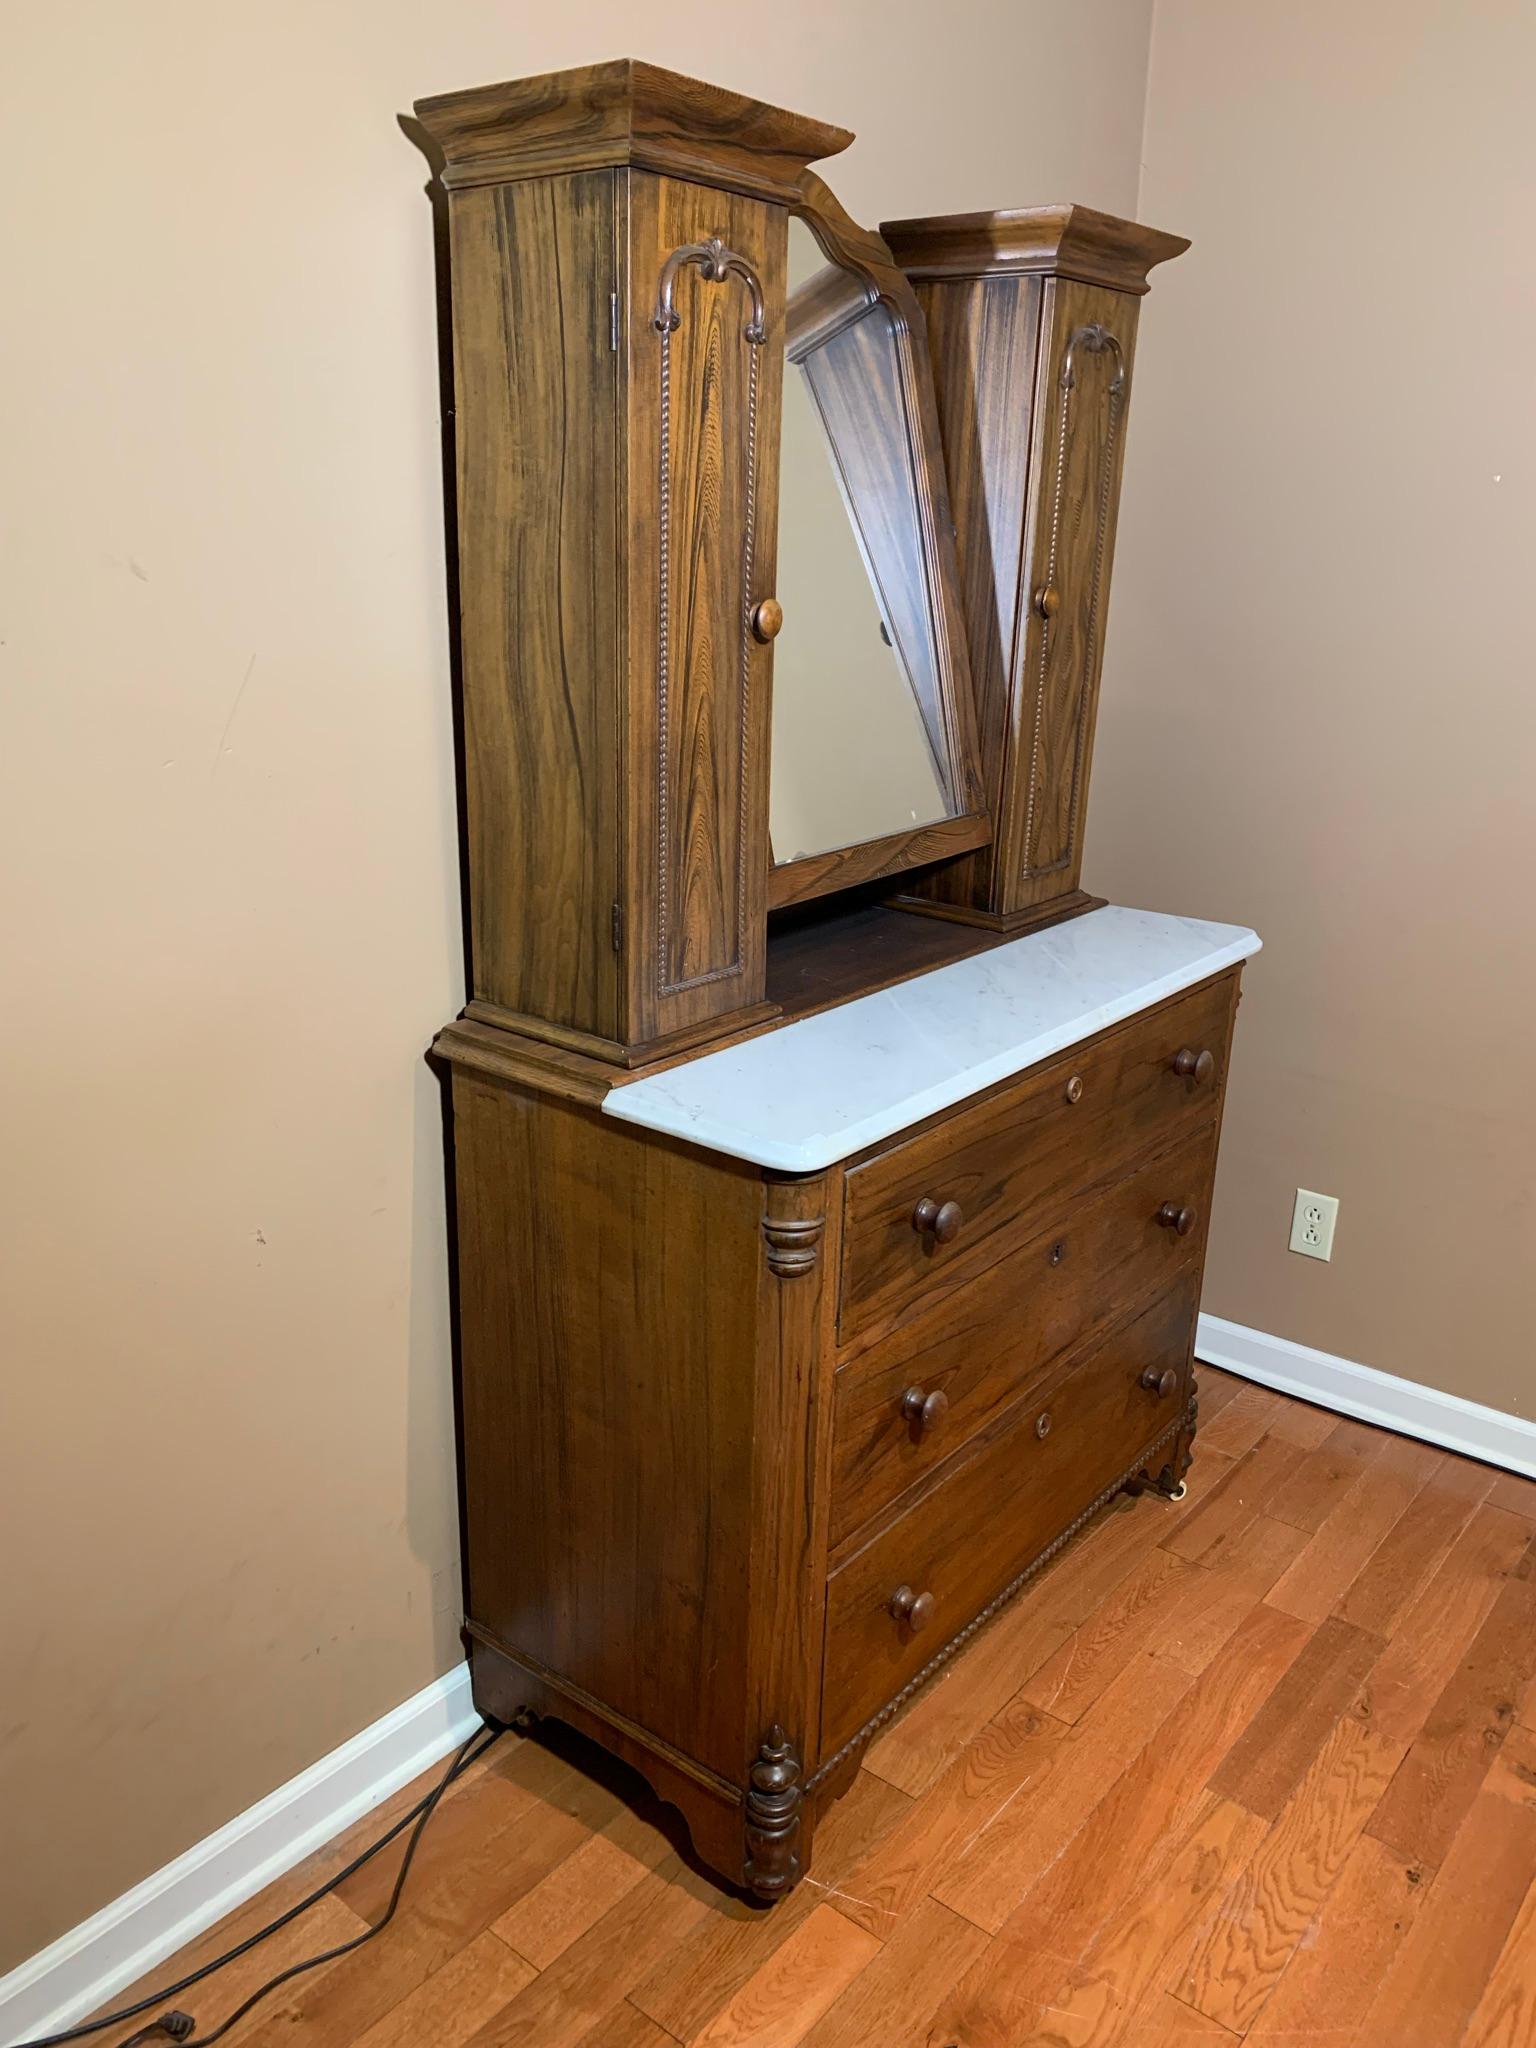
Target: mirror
873, 754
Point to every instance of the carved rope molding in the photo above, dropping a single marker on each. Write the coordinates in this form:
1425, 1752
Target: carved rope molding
1093, 340
772, 1815
717, 263
794, 1243
1016, 1585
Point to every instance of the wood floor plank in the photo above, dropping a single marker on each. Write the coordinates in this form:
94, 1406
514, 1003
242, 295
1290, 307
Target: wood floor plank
1240, 1577
1277, 1748
1437, 1629
1451, 1952
1167, 2024
590, 1983
623, 2026
1469, 1477
1506, 2013
1216, 1388
990, 1873
1340, 1962
465, 1837
1325, 1570
455, 2001
1407, 1556
1289, 1878
1185, 1611
893, 1999
1242, 1495
1240, 1424
1515, 1493
1314, 1490
1119, 1629
685, 1987
780, 2003
922, 1743
1202, 1479
1444, 1770
463, 1878
578, 1892
930, 1734
1011, 1753
1300, 1423
1101, 2000
1102, 1870
327, 1925
1512, 1774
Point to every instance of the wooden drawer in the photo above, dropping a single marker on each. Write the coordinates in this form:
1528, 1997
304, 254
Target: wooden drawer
985, 1344
1022, 1154
972, 1534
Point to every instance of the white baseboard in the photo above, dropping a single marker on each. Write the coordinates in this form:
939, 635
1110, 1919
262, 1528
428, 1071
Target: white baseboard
89, 1965
1371, 1396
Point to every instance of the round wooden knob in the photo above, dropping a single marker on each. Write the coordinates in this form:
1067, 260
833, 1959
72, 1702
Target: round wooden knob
925, 1409
1048, 601
1043, 1425
1172, 1217
940, 1220
1160, 1383
915, 1609
1074, 1089
767, 618
1189, 1064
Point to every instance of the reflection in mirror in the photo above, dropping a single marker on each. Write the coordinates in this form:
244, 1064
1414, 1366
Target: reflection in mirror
858, 733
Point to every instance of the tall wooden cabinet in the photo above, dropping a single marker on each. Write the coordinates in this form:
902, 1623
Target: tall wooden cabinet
827, 1257
618, 265
1032, 321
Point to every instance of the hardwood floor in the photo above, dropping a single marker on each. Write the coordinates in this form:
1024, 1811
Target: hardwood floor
1257, 1766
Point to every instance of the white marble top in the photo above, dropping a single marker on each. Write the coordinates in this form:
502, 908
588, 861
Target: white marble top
825, 1087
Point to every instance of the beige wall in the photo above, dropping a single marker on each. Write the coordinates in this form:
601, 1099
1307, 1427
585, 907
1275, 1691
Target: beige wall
1319, 712
231, 920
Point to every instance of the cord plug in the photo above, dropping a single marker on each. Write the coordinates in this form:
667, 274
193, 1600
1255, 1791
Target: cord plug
174, 2026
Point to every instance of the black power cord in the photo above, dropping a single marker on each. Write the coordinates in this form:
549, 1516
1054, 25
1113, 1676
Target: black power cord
173, 2025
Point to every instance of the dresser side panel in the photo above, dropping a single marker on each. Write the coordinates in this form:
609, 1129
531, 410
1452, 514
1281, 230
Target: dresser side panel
609, 1308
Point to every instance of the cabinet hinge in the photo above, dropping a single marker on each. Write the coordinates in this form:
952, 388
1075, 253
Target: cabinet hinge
613, 321
618, 927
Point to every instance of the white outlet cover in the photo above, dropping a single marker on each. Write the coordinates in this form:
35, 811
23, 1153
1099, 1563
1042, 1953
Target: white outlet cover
1312, 1224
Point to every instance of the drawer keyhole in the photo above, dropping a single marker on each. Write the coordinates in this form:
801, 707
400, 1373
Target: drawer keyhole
1057, 1252
1043, 1425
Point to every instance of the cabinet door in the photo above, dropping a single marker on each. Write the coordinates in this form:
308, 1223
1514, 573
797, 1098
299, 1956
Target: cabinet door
1081, 400
704, 357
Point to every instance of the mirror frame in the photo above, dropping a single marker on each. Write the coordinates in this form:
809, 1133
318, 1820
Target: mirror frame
860, 250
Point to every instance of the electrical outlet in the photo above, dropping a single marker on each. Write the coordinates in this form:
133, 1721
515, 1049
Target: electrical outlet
1312, 1224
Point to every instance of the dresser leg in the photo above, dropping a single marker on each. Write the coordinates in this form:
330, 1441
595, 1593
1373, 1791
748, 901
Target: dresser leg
772, 1818
1170, 1479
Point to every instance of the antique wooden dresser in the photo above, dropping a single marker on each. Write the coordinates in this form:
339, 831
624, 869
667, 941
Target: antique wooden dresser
832, 1169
